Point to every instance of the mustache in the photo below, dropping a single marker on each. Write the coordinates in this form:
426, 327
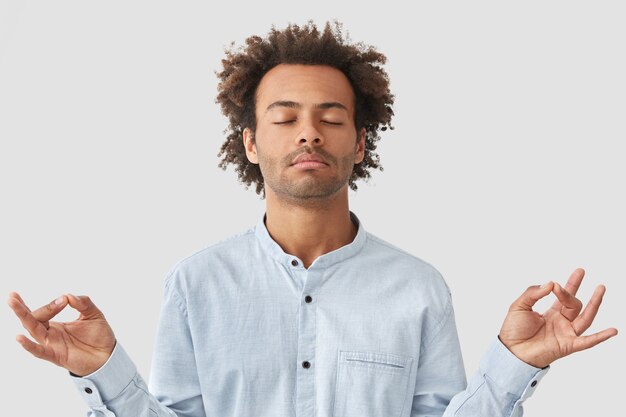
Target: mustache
328, 158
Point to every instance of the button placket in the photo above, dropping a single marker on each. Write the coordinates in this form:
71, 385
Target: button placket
305, 374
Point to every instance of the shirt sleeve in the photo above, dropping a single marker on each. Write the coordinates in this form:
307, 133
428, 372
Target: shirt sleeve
497, 389
117, 389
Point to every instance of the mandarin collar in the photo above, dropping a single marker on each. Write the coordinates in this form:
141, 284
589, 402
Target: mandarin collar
321, 262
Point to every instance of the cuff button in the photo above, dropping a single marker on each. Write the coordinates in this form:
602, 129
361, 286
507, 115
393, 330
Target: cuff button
88, 390
533, 383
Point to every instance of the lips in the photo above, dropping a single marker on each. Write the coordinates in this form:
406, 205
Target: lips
305, 157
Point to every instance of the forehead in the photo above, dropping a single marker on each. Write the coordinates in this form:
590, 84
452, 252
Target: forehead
305, 84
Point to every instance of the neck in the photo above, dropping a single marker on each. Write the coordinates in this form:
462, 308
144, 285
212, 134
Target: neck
312, 228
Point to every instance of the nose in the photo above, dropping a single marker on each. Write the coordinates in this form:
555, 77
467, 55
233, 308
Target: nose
309, 135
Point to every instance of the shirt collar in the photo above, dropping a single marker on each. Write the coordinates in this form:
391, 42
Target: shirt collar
321, 262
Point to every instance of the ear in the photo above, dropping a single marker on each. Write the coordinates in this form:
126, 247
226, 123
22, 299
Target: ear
360, 146
250, 145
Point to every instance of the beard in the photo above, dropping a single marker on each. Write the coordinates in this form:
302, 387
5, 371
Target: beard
306, 186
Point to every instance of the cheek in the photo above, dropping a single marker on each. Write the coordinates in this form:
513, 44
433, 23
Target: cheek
267, 157
348, 148
271, 147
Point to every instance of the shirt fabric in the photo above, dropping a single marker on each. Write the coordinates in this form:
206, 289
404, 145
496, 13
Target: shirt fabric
367, 330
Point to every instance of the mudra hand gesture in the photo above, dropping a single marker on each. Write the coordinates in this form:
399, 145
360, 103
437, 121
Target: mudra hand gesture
81, 346
540, 339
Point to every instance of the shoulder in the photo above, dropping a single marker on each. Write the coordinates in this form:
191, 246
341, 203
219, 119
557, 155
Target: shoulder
201, 262
404, 264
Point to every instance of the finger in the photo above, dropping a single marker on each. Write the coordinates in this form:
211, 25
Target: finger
582, 322
573, 283
36, 329
570, 306
85, 306
19, 298
47, 312
586, 342
35, 349
529, 298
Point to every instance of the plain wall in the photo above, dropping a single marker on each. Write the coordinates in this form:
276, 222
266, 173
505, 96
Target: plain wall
505, 169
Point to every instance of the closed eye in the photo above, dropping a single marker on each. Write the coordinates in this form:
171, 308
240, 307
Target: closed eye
323, 121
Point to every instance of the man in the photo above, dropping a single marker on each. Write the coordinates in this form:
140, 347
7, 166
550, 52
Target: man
307, 314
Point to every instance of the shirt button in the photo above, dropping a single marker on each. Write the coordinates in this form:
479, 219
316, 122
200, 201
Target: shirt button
533, 383
308, 298
88, 390
294, 263
306, 364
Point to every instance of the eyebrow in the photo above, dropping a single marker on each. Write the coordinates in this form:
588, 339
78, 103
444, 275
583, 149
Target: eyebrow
295, 105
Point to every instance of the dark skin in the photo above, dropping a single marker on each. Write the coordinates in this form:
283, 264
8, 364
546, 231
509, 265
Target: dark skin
80, 346
540, 339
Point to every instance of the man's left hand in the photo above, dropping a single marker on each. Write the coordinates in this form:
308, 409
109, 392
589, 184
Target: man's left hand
540, 339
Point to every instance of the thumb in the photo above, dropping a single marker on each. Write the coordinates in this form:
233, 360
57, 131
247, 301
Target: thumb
84, 306
529, 298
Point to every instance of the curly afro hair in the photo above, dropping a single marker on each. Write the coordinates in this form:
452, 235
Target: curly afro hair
244, 67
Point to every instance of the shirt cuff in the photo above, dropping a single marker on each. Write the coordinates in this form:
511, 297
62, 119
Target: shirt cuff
509, 372
109, 380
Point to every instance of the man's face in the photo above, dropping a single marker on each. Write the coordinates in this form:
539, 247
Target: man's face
306, 142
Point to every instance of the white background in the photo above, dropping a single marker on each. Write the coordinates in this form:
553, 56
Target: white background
506, 167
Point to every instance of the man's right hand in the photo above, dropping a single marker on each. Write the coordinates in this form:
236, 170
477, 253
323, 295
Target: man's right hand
81, 346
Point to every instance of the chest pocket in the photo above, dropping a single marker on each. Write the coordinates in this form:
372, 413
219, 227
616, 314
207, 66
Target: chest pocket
371, 384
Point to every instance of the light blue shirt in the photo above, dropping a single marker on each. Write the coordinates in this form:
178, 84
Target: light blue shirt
366, 330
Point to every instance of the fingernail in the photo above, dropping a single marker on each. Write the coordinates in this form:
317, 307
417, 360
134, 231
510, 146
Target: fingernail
59, 300
545, 285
